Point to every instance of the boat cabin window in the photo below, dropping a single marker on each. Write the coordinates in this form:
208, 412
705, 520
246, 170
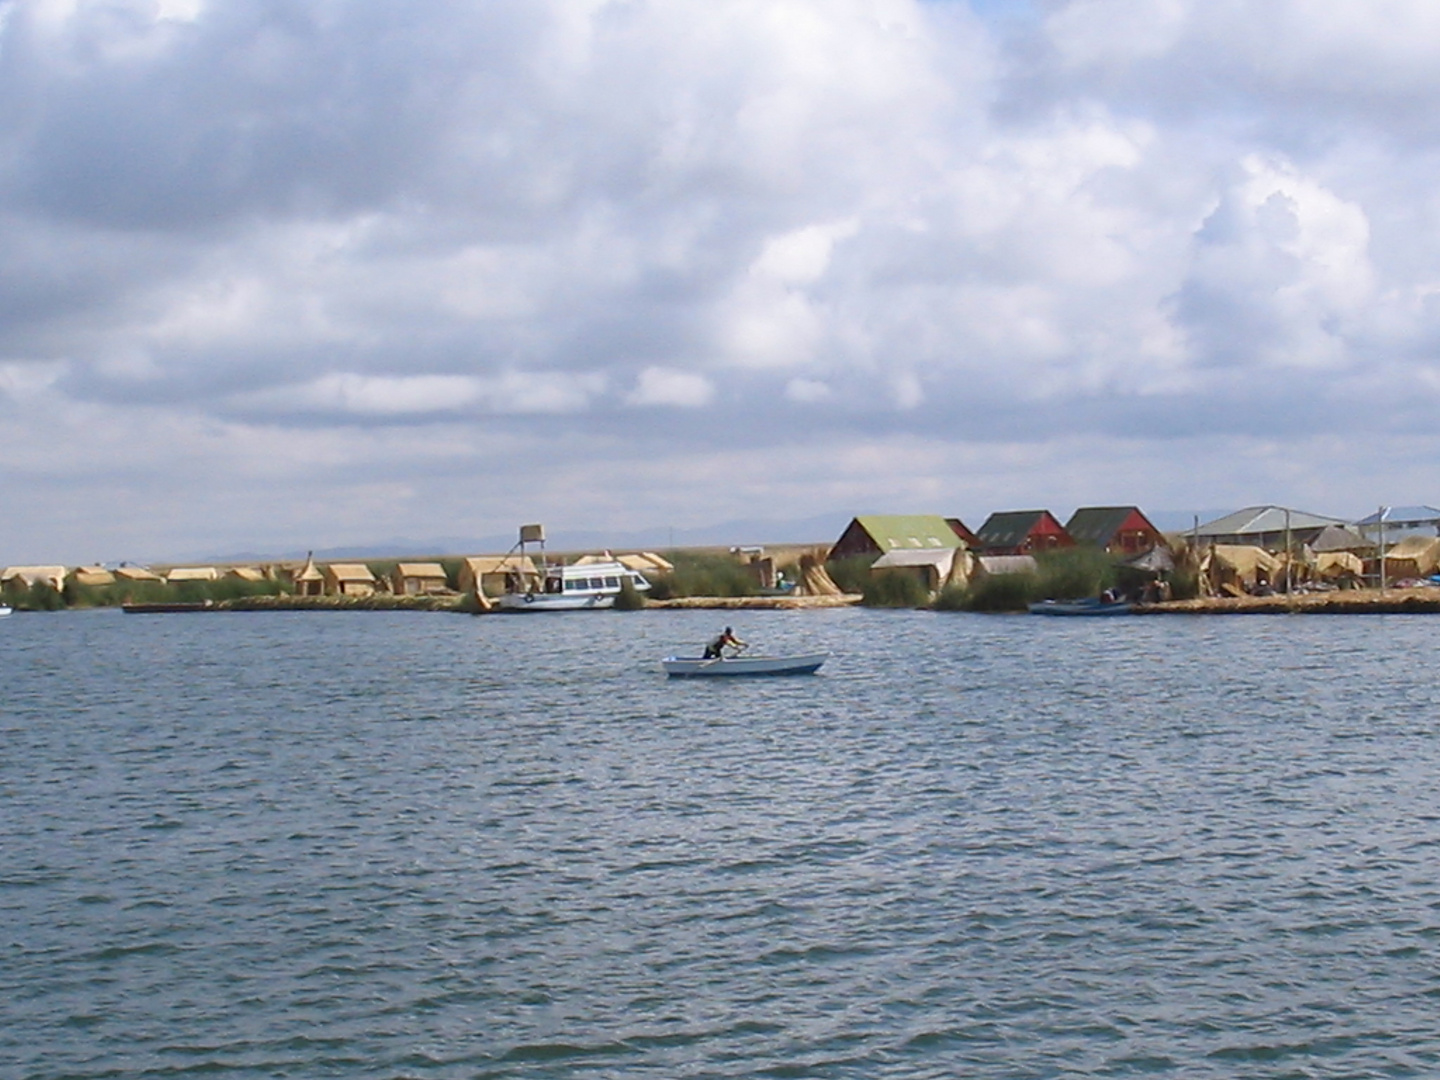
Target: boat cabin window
572, 585
596, 583
612, 583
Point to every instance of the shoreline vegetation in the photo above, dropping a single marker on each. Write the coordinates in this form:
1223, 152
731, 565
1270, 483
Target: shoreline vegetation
709, 579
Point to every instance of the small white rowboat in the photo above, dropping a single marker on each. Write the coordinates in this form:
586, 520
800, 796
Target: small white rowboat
695, 667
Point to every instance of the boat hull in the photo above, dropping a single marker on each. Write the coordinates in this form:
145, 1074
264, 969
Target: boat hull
692, 667
521, 603
1078, 607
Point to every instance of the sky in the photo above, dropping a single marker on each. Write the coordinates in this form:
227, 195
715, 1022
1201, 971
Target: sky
293, 274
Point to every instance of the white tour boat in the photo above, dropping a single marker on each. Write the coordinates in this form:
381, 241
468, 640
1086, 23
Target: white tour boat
585, 587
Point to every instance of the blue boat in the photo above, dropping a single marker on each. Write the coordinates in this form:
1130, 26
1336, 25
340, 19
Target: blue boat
1088, 606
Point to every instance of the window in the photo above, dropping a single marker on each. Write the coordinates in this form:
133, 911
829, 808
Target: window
572, 585
612, 582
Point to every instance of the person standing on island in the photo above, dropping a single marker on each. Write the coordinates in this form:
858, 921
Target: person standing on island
715, 650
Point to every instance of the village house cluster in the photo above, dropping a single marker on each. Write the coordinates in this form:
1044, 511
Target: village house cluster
488, 575
1250, 551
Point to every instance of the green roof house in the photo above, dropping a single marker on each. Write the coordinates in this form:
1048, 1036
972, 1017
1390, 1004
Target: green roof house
879, 534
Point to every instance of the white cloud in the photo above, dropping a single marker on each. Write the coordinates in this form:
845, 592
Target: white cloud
808, 391
350, 394
666, 386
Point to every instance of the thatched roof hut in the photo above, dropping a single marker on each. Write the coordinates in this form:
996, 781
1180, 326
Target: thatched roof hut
54, 576
497, 574
93, 576
192, 573
348, 579
1237, 569
418, 579
136, 573
1413, 557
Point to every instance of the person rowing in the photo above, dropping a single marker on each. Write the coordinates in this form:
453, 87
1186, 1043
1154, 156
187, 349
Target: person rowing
716, 649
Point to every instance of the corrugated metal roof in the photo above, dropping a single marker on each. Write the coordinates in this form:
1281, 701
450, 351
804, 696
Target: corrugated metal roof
1339, 538
1403, 515
1265, 519
940, 558
892, 532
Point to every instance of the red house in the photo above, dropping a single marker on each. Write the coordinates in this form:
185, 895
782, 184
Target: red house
1120, 530
963, 533
1022, 532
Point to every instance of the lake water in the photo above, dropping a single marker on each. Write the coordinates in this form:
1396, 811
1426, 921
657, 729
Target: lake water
425, 845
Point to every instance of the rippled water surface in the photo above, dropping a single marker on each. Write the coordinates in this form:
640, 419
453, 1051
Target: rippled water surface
421, 845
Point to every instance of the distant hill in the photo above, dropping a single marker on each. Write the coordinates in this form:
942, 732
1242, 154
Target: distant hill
822, 529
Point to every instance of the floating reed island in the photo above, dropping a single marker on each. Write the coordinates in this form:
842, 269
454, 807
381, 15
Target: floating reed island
1259, 560
1411, 601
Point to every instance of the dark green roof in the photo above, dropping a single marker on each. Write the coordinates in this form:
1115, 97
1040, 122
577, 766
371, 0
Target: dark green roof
1098, 524
1008, 529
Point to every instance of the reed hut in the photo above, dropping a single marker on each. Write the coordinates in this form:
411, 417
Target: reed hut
29, 576
1343, 568
192, 573
1413, 557
136, 573
419, 579
92, 576
646, 562
251, 574
309, 580
348, 579
1237, 569
493, 575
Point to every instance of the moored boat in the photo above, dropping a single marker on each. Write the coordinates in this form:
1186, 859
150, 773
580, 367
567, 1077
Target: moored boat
1089, 606
586, 587
589, 585
4, 610
698, 667
178, 607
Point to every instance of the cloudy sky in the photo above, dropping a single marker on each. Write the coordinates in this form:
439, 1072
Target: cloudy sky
303, 273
